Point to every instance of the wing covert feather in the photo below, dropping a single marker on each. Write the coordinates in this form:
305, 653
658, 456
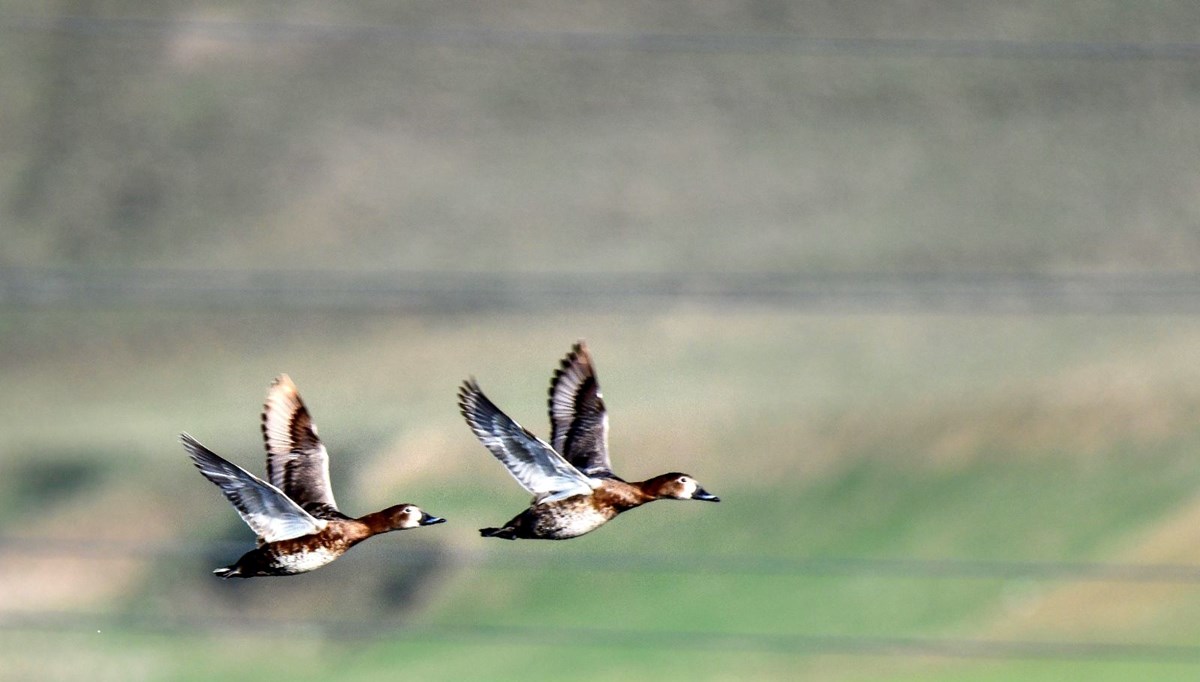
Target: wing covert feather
530, 460
269, 513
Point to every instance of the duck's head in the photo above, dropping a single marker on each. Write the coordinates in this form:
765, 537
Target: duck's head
404, 516
677, 486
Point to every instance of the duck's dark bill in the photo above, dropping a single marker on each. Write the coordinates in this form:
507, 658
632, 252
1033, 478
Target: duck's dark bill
702, 494
430, 519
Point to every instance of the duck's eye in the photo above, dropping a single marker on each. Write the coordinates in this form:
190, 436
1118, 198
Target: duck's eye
683, 480
408, 510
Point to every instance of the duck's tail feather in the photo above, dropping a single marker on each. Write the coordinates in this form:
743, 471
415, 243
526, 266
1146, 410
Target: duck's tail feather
227, 572
505, 533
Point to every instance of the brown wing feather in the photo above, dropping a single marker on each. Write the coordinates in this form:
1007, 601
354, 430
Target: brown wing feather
578, 418
297, 461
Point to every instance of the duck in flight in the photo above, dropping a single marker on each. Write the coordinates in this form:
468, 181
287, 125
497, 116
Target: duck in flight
293, 513
575, 490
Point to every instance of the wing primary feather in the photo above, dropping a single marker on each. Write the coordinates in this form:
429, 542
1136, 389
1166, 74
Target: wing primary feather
266, 509
297, 461
530, 460
578, 416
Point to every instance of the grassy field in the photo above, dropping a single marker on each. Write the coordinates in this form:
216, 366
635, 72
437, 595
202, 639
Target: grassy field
915, 438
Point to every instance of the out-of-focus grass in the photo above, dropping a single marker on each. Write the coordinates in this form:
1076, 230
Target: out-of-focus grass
930, 437
113, 656
1035, 439
984, 510
1035, 671
729, 392
1029, 511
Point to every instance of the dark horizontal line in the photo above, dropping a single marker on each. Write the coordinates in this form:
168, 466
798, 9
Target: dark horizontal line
817, 644
446, 292
514, 559
492, 38
531, 636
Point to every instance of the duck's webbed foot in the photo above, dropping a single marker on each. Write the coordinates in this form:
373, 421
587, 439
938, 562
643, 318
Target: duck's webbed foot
506, 533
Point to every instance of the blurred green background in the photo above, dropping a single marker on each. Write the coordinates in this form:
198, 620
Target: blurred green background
912, 286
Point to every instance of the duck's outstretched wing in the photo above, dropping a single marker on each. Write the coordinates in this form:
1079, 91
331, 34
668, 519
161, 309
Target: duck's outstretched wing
297, 461
578, 418
268, 512
535, 465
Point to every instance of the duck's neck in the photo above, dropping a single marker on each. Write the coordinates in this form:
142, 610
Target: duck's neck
625, 496
374, 524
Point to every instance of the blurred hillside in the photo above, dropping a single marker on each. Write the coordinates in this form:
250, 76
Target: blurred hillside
433, 136
912, 287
